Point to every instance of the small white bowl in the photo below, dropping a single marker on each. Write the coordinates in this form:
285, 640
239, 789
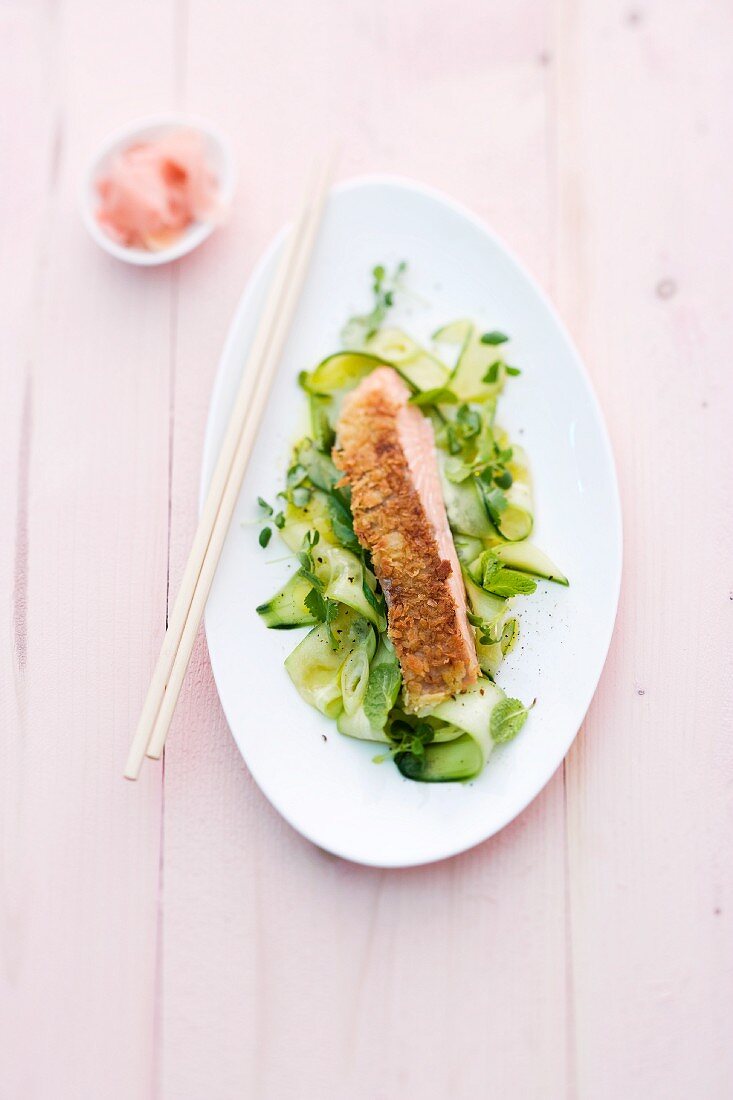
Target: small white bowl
218, 156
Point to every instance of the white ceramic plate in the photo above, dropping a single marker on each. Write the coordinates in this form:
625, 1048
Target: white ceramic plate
326, 785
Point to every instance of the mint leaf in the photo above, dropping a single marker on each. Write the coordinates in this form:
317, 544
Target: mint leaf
494, 338
508, 582
381, 693
500, 580
342, 523
507, 719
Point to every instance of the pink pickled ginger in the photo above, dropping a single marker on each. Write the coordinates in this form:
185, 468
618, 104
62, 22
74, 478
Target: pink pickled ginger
151, 192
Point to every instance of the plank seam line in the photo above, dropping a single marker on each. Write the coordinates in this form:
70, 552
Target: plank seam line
20, 565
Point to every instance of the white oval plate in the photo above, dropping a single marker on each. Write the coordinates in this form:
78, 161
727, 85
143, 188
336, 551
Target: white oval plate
326, 785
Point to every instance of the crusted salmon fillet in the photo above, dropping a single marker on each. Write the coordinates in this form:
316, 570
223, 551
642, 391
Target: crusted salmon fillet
386, 450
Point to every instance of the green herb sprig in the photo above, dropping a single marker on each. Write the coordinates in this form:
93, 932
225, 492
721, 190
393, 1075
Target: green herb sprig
500, 580
494, 338
360, 328
323, 609
507, 719
381, 694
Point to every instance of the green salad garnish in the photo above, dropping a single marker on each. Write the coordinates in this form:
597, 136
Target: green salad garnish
346, 666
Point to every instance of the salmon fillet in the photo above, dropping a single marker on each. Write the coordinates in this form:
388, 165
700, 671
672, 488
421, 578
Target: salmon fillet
386, 450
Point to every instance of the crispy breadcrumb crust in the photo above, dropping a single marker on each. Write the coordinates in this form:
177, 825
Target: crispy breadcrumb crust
390, 521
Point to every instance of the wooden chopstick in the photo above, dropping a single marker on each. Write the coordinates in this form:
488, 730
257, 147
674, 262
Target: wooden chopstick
239, 437
231, 492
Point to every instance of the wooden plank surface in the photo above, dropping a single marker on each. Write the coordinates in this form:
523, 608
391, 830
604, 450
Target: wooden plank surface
176, 939
644, 175
81, 848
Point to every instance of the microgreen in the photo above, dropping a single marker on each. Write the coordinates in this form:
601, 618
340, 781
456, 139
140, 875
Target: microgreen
360, 328
494, 338
411, 737
265, 536
492, 374
468, 421
485, 628
323, 609
381, 693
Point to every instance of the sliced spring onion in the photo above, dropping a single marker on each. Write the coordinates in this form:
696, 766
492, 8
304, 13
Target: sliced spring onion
355, 674
315, 664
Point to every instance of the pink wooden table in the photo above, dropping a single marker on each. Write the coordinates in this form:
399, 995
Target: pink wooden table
175, 939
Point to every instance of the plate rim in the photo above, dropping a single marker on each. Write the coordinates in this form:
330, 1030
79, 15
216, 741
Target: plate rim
406, 184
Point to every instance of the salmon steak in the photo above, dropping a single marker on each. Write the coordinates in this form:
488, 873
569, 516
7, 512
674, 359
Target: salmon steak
385, 448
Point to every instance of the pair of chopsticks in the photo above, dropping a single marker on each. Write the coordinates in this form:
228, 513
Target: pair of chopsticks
254, 388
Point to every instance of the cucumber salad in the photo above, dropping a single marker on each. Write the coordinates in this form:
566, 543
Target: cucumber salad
346, 665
